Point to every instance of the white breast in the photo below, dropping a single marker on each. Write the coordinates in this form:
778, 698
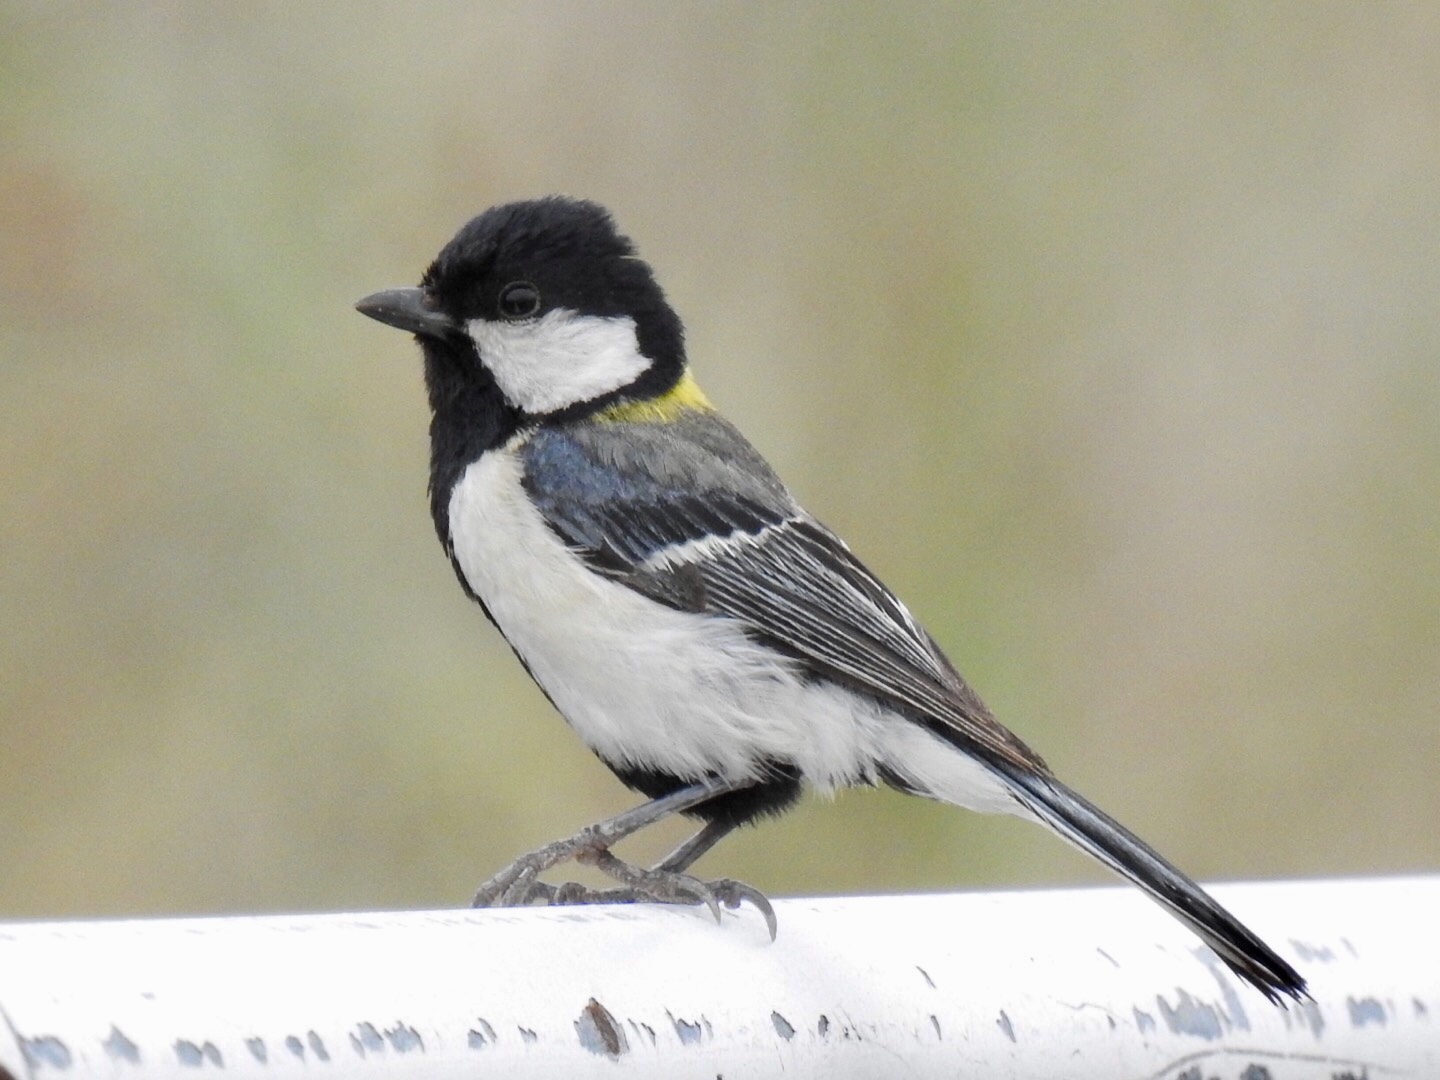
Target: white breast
646, 685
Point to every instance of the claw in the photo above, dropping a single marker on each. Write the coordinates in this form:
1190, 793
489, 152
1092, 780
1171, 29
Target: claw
733, 893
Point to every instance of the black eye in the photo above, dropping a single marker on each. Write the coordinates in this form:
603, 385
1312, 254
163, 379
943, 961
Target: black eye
519, 300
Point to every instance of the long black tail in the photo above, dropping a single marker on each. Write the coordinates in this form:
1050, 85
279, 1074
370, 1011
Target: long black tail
1095, 832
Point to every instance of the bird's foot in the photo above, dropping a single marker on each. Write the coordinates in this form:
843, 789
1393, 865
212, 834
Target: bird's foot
662, 886
519, 883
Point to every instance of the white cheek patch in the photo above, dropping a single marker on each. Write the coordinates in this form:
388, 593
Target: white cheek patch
560, 358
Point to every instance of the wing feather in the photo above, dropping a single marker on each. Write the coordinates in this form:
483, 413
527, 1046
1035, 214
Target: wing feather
692, 517
796, 586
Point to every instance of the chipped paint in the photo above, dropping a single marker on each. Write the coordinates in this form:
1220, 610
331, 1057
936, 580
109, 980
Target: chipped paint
599, 1033
1004, 1024
481, 1035
45, 1050
365, 1039
935, 1023
1256, 1072
119, 1048
258, 1050
317, 1045
295, 1046
823, 1027
783, 1027
193, 1055
926, 975
690, 1033
1143, 1020
527, 1035
1311, 1018
1190, 1017
403, 1038
1234, 1010
1365, 1011
1313, 954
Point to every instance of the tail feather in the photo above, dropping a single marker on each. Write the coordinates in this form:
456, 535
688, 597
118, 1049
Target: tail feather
1099, 835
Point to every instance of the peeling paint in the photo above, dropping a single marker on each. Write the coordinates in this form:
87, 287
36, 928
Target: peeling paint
295, 1046
45, 1050
599, 1033
1143, 1020
783, 1027
119, 1048
1234, 1011
1365, 1011
643, 1029
365, 1039
193, 1055
1313, 954
527, 1035
481, 1035
1004, 1024
258, 1050
1309, 1015
1190, 1017
403, 1038
823, 1028
690, 1033
935, 1023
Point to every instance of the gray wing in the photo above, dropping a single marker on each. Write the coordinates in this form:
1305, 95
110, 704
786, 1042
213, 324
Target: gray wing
720, 535
798, 587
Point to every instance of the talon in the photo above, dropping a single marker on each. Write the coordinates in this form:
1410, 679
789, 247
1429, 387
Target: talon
734, 893
706, 894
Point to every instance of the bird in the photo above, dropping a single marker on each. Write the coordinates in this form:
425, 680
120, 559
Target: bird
708, 639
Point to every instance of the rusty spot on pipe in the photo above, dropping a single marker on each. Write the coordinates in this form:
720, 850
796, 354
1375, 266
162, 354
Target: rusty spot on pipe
599, 1033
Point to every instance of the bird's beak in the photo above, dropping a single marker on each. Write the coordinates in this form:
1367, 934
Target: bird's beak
408, 309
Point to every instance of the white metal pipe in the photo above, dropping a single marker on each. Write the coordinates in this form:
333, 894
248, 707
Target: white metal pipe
1080, 984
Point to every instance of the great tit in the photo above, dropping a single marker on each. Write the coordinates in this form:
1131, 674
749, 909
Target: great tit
713, 644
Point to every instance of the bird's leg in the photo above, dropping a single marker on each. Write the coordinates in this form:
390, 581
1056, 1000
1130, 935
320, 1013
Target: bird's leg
688, 853
725, 891
518, 884
666, 882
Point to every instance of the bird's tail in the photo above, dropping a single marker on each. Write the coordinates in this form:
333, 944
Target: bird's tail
1097, 834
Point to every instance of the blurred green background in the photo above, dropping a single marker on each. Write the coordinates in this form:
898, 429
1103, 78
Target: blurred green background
1107, 334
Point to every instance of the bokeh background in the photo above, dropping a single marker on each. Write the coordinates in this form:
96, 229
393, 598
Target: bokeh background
1107, 334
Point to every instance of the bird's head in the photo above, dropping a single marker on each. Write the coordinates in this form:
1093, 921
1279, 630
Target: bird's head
545, 304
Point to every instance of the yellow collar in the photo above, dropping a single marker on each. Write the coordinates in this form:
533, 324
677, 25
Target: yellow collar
683, 396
